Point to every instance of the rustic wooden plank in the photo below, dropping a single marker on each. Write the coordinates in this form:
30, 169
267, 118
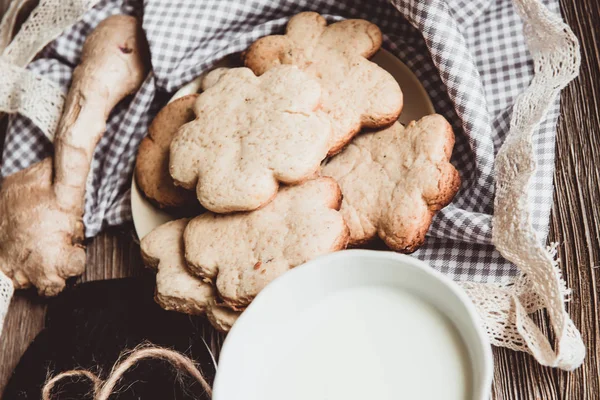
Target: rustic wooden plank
23, 322
578, 199
575, 224
113, 254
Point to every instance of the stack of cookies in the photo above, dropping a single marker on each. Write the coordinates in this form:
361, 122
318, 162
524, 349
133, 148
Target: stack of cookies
268, 159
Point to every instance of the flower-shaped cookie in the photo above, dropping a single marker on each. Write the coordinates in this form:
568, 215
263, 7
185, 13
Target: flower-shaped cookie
250, 133
242, 252
152, 163
395, 180
176, 288
356, 92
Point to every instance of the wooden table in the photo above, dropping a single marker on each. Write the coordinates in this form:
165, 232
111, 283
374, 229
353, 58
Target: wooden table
575, 224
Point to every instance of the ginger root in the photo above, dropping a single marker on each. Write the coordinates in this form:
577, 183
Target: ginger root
41, 207
114, 63
38, 239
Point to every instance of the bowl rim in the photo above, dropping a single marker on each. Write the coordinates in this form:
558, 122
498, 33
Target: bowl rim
485, 366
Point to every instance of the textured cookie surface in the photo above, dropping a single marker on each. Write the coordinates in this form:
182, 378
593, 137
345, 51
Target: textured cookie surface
356, 92
211, 78
152, 164
395, 180
243, 252
250, 133
176, 288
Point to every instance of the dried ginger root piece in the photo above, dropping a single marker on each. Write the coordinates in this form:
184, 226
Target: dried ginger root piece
39, 240
42, 206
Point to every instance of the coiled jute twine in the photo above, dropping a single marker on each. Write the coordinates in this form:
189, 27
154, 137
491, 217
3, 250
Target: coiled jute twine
102, 390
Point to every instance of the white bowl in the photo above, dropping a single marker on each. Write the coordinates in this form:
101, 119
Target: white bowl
255, 351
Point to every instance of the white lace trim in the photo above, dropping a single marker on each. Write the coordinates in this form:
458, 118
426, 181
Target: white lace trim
504, 309
555, 52
23, 91
30, 95
46, 22
7, 24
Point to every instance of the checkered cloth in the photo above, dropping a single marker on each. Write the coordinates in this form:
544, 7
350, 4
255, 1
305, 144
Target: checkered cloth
470, 56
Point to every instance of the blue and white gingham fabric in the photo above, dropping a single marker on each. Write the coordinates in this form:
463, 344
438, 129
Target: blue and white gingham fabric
470, 56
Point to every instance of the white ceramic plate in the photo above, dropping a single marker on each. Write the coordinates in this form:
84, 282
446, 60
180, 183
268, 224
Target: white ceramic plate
416, 105
270, 351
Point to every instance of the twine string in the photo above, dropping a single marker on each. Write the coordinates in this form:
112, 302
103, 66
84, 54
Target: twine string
103, 389
47, 390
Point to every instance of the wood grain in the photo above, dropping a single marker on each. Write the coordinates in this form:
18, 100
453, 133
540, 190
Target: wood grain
575, 224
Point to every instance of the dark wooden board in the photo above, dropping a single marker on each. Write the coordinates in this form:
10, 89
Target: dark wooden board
575, 224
